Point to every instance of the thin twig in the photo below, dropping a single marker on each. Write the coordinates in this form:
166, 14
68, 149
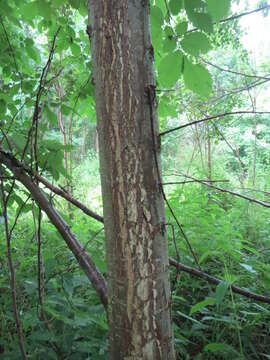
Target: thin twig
211, 118
151, 98
259, 202
12, 272
214, 280
234, 72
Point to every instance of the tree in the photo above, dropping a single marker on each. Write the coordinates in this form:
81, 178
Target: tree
138, 302
137, 255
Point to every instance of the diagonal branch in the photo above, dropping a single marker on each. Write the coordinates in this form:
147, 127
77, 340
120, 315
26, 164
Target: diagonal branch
85, 261
211, 118
216, 281
259, 202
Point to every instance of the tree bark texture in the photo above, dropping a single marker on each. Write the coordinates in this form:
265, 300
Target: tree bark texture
136, 247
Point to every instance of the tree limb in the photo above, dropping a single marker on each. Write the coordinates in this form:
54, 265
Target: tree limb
211, 118
85, 261
216, 281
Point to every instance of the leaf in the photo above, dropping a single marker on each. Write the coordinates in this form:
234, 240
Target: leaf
201, 305
197, 78
181, 28
157, 20
30, 10
75, 3
196, 43
175, 6
170, 68
203, 21
248, 267
218, 9
221, 292
216, 347
44, 9
169, 43
75, 49
3, 107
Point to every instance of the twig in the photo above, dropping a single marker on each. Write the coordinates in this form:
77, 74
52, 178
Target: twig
211, 118
72, 242
214, 280
192, 181
259, 202
234, 72
12, 272
42, 82
237, 16
151, 98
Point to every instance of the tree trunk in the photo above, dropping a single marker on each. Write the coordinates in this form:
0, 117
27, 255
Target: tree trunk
136, 247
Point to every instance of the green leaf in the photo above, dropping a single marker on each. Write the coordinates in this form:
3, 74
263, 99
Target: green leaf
201, 305
170, 68
157, 20
197, 78
196, 43
30, 10
175, 6
169, 43
44, 9
181, 28
216, 347
75, 49
75, 3
218, 9
221, 292
3, 107
203, 22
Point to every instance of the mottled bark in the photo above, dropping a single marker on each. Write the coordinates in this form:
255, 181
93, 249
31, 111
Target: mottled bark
136, 247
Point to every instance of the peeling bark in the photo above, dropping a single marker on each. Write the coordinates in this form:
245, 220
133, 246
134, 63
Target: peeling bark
136, 246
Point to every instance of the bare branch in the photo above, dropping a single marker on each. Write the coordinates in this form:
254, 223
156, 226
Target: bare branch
234, 72
211, 118
215, 281
259, 202
72, 242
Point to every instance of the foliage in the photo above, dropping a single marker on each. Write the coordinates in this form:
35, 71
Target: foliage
230, 236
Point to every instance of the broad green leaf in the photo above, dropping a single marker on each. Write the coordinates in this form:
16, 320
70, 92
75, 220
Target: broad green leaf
216, 347
201, 305
181, 28
161, 4
157, 20
44, 9
75, 49
3, 107
197, 78
196, 43
75, 3
203, 21
175, 6
170, 68
30, 10
221, 292
169, 43
218, 9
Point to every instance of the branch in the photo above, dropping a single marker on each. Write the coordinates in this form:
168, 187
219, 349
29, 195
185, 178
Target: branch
234, 72
237, 16
192, 181
74, 245
214, 280
68, 197
259, 202
211, 118
4, 199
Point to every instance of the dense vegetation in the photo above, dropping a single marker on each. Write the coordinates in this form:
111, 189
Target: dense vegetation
215, 176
